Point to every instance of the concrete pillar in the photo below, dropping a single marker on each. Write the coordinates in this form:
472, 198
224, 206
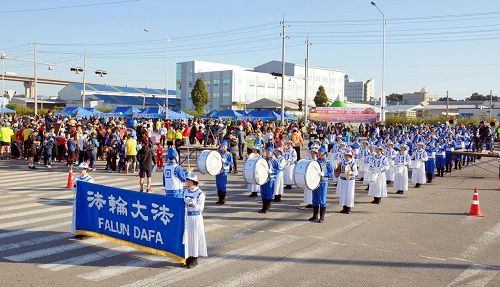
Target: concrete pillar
29, 89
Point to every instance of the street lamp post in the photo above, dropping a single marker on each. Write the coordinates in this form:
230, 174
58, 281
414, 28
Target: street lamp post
167, 40
283, 38
382, 96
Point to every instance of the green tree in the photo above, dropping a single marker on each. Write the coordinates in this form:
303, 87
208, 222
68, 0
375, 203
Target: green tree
20, 109
394, 97
321, 99
199, 95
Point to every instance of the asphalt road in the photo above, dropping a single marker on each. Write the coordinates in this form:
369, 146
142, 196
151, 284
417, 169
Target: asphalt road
421, 238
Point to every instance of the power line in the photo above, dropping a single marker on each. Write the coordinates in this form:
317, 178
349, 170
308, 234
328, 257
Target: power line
67, 7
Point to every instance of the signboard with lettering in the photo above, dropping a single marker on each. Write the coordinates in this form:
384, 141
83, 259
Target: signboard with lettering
148, 222
342, 115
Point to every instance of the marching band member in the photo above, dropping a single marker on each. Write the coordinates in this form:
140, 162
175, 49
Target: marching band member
319, 194
440, 157
430, 164
173, 175
346, 185
418, 173
307, 192
194, 198
337, 158
278, 184
363, 153
267, 189
367, 162
253, 188
221, 178
378, 164
84, 177
390, 153
290, 156
402, 160
449, 147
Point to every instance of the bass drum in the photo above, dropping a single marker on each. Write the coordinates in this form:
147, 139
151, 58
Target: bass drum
307, 174
256, 171
210, 162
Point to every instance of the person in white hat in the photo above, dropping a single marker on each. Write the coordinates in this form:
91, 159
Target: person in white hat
390, 153
308, 192
346, 184
401, 162
84, 177
418, 175
279, 184
253, 188
378, 165
290, 156
196, 244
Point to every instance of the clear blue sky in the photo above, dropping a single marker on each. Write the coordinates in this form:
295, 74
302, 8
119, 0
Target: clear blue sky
439, 44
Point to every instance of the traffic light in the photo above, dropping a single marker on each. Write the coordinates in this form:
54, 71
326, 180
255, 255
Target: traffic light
300, 105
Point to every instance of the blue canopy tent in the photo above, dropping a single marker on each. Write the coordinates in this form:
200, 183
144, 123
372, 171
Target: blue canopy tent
74, 112
5, 110
229, 114
211, 114
94, 111
122, 112
263, 115
157, 113
288, 117
186, 115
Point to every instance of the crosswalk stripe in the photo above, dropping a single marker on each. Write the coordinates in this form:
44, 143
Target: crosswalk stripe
34, 196
33, 212
34, 241
113, 271
48, 227
175, 275
87, 258
54, 250
23, 206
17, 200
34, 220
5, 196
253, 278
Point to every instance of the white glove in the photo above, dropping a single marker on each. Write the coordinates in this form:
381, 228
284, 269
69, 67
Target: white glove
188, 200
270, 171
322, 174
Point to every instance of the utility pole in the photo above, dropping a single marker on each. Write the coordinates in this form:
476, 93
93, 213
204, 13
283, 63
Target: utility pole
491, 103
283, 38
306, 72
447, 104
36, 80
84, 73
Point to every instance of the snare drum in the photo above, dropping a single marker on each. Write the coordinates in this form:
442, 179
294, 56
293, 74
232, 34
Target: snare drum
210, 162
307, 174
256, 171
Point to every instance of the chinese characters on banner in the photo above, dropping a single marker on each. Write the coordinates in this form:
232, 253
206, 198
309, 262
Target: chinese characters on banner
341, 115
149, 222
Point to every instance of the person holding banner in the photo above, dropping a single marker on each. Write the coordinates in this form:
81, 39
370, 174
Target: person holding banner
84, 177
173, 175
196, 244
221, 178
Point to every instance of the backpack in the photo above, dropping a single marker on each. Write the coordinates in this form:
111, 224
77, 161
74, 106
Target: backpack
90, 145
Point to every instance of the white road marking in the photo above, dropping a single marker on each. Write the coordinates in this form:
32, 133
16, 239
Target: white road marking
475, 275
433, 258
480, 245
34, 220
34, 241
175, 275
87, 258
33, 212
5, 196
37, 228
253, 278
23, 206
54, 250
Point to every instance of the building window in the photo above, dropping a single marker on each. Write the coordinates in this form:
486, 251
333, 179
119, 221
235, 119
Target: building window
216, 83
226, 82
261, 83
207, 83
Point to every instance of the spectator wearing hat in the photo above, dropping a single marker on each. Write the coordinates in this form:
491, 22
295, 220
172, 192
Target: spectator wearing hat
84, 176
194, 198
146, 159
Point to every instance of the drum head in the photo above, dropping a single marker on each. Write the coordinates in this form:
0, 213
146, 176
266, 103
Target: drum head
210, 162
313, 177
260, 173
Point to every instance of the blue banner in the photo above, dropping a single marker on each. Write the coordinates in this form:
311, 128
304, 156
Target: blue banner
148, 222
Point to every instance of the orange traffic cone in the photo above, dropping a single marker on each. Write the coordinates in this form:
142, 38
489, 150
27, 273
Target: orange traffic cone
475, 209
69, 185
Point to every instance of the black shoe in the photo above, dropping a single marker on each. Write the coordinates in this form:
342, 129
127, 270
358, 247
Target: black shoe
221, 196
348, 211
188, 261
322, 211
344, 209
288, 187
368, 188
309, 206
253, 194
315, 213
194, 263
376, 200
79, 236
277, 198
417, 185
361, 179
264, 206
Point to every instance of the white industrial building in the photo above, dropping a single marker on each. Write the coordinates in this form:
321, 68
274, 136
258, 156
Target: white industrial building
229, 85
359, 91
